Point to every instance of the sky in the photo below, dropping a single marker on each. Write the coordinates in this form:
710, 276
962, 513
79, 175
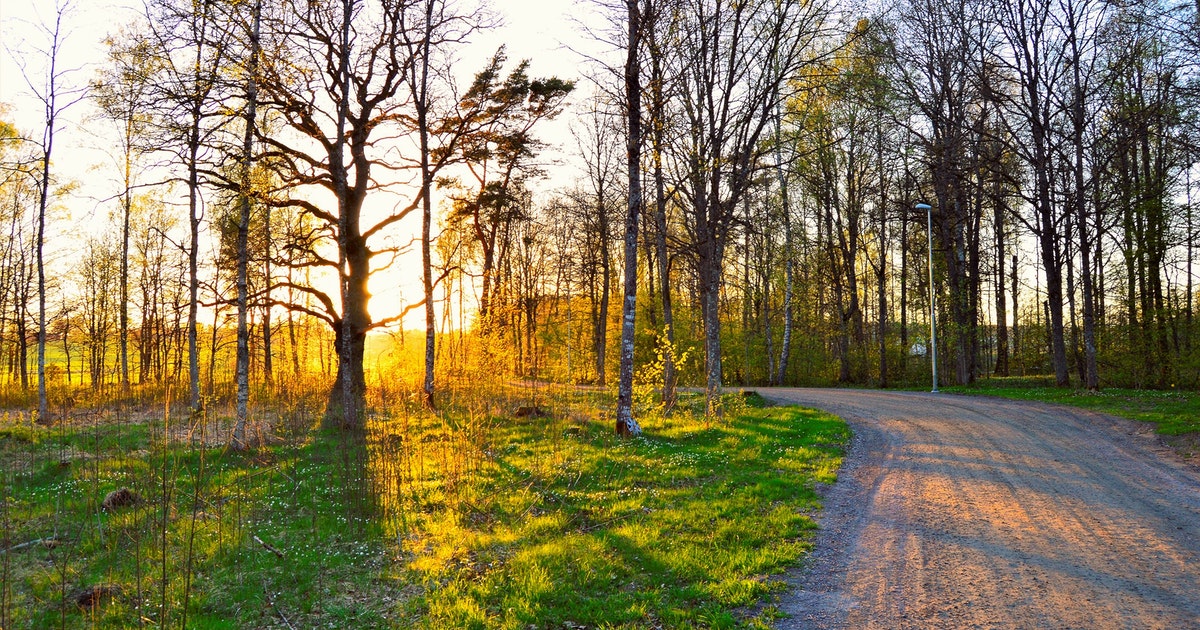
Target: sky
545, 31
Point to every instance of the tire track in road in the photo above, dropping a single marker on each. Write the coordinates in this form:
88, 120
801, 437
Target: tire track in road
970, 512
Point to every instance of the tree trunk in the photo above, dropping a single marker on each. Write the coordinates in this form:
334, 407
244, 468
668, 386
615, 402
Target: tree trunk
904, 253
1189, 291
710, 297
238, 442
1001, 368
193, 268
126, 210
1016, 326
50, 102
43, 201
662, 255
214, 330
1069, 261
881, 272
268, 332
1050, 264
600, 324
344, 409
421, 103
789, 273
626, 424
1091, 379
664, 277
66, 337
1047, 237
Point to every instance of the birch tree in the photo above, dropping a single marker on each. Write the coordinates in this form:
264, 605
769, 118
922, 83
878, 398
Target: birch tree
626, 424
245, 194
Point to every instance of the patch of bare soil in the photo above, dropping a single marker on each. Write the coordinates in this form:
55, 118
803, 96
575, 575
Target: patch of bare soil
1187, 446
967, 512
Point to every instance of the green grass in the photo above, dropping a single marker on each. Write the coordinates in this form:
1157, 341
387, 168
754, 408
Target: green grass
1174, 412
200, 507
679, 527
469, 519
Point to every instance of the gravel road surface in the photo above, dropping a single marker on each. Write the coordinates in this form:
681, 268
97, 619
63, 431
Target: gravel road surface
972, 512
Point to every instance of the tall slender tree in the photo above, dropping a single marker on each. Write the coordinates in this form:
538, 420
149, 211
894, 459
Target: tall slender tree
245, 201
937, 71
626, 424
55, 94
432, 31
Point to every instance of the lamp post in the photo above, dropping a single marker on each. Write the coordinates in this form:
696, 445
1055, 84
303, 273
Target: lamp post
932, 294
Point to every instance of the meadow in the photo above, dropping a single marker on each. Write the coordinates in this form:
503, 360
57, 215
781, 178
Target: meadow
514, 506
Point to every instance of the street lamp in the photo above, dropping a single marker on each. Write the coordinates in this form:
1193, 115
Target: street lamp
932, 294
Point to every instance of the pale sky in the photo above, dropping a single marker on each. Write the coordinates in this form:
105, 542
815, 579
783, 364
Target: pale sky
544, 31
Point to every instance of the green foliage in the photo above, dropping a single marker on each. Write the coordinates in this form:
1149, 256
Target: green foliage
648, 379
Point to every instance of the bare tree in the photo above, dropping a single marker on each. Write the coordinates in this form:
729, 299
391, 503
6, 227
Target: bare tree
120, 92
434, 29
55, 95
1033, 58
97, 275
333, 78
19, 190
733, 62
938, 52
189, 50
336, 77
1079, 22
599, 149
419, 86
154, 258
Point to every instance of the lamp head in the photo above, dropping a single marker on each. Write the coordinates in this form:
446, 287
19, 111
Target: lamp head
924, 206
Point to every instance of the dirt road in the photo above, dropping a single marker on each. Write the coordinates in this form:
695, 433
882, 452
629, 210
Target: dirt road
969, 512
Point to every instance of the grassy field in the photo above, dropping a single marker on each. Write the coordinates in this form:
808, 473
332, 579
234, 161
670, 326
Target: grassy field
506, 512
1174, 412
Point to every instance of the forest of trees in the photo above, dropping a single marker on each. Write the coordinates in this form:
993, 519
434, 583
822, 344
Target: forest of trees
750, 169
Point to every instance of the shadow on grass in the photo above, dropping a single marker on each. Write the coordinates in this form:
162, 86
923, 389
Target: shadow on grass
680, 527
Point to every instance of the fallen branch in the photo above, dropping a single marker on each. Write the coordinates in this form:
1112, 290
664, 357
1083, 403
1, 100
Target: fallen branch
49, 541
267, 546
283, 618
271, 602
